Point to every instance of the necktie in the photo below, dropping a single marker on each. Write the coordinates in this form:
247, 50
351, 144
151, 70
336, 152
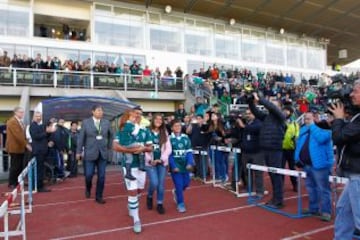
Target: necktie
22, 124
97, 124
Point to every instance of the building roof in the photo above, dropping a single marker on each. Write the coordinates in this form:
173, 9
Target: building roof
336, 20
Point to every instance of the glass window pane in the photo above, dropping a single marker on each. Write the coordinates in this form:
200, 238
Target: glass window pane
315, 58
252, 50
226, 47
18, 23
275, 53
83, 56
295, 56
64, 54
198, 44
118, 32
9, 48
39, 50
22, 50
167, 40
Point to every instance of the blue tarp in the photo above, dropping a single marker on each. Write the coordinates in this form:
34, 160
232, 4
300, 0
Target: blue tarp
79, 108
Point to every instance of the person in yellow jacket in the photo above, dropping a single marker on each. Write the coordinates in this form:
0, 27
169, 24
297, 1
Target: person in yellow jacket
289, 143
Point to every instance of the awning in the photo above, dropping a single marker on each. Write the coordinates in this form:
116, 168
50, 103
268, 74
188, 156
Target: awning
79, 108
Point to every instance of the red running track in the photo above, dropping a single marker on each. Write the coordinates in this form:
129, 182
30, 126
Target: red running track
212, 213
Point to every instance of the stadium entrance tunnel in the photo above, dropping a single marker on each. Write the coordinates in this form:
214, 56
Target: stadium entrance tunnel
79, 107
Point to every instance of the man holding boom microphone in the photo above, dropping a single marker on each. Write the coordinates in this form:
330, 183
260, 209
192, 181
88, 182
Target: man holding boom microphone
347, 134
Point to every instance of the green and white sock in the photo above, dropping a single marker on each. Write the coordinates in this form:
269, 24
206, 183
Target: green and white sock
133, 204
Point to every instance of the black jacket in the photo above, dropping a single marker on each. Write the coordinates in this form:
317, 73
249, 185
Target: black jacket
273, 125
347, 134
250, 142
39, 138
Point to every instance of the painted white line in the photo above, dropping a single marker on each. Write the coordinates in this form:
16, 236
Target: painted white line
164, 221
301, 235
110, 197
82, 187
156, 223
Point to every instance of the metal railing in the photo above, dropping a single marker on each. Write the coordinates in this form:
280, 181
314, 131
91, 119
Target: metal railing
91, 80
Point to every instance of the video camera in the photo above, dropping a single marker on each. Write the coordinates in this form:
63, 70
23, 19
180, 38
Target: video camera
234, 116
339, 91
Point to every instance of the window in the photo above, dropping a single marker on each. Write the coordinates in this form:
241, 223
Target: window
14, 23
165, 39
226, 47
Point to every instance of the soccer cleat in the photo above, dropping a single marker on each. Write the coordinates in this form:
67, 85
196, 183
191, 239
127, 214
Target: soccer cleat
137, 227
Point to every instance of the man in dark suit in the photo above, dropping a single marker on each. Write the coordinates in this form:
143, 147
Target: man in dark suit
96, 138
39, 136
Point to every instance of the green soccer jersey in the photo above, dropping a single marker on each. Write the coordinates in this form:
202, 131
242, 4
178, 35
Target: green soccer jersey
155, 138
142, 137
181, 145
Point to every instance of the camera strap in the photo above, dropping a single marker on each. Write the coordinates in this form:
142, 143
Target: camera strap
343, 148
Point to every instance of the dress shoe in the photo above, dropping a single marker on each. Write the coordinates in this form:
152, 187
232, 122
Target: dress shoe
100, 201
43, 190
87, 194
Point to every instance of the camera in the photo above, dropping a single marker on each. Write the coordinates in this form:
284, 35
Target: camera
339, 92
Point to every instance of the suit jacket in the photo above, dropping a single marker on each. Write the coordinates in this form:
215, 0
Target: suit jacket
93, 147
39, 138
16, 139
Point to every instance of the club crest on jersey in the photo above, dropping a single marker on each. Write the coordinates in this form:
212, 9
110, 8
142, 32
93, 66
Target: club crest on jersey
180, 145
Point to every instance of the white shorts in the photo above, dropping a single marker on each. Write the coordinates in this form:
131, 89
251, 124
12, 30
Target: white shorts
139, 183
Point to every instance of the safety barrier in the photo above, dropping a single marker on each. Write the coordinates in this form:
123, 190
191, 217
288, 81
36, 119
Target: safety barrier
5, 208
334, 180
203, 158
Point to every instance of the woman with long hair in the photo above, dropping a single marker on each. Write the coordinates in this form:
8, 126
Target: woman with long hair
157, 161
217, 133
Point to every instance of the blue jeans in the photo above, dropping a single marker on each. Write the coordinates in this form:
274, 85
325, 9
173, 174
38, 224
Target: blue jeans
100, 164
318, 187
181, 182
274, 159
220, 164
157, 181
348, 210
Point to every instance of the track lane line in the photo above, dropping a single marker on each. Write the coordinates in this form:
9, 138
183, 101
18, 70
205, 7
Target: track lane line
305, 234
172, 220
109, 197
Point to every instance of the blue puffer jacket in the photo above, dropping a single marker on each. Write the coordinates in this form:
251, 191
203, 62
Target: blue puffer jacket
320, 146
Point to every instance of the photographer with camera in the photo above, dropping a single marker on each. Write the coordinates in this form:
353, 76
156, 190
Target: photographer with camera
251, 149
233, 137
347, 134
271, 138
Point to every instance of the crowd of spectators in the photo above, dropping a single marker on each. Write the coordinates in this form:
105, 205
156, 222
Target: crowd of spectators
54, 63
